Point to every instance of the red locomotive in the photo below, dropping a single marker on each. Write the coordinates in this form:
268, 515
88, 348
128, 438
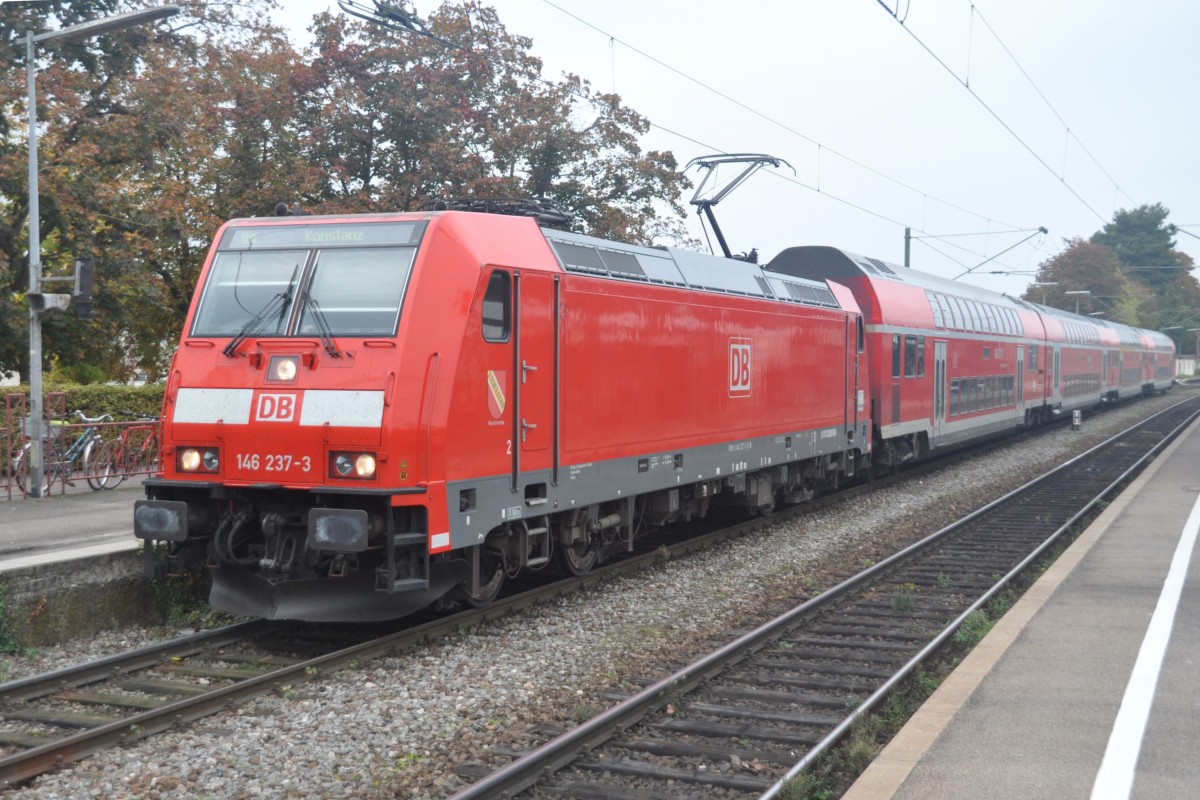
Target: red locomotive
366, 413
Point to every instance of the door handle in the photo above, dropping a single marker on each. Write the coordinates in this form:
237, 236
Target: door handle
526, 427
526, 368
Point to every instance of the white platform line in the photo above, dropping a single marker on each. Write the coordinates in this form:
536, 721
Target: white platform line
1114, 781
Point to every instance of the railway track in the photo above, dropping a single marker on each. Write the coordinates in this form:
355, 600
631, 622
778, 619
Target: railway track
751, 716
52, 719
58, 717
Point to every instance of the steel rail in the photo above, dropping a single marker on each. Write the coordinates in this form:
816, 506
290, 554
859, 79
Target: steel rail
926, 652
36, 686
37, 760
34, 761
527, 770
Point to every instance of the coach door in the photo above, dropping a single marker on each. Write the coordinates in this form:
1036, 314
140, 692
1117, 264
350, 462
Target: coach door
939, 389
535, 362
1056, 388
1021, 381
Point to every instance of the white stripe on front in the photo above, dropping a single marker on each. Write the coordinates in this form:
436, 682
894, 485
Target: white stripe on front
231, 406
342, 409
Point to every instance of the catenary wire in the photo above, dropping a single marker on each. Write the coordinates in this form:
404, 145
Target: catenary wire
990, 110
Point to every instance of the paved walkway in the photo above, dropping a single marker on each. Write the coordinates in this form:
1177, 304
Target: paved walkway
1090, 686
32, 531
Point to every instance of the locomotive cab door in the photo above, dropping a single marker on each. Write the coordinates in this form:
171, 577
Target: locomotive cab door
535, 375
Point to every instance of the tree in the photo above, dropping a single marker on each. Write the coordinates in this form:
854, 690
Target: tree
420, 120
1141, 239
1094, 268
151, 138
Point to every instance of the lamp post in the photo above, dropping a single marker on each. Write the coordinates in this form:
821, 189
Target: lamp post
1079, 294
38, 303
1045, 283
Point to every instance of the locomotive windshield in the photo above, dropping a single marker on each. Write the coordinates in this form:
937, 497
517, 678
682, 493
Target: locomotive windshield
295, 289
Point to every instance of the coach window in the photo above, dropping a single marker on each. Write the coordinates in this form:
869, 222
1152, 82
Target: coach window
895, 355
937, 312
920, 356
959, 313
497, 308
910, 356
947, 315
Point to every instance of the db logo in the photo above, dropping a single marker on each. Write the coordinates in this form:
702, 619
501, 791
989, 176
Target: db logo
740, 352
275, 408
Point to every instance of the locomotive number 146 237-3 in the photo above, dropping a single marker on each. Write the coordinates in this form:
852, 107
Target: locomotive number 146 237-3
273, 462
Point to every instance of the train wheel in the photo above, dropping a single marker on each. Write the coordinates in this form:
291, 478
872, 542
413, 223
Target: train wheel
578, 558
491, 579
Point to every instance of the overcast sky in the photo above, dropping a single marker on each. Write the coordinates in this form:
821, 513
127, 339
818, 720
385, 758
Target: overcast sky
823, 84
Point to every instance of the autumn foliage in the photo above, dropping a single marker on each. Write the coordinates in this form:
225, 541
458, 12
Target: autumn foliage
150, 138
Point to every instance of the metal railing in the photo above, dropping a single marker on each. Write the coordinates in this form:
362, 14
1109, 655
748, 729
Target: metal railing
80, 452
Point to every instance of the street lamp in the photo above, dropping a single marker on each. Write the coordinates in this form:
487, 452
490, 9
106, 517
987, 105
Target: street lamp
1045, 283
39, 303
1078, 294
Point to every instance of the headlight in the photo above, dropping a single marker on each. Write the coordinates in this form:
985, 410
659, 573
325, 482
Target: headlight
364, 466
360, 466
193, 459
189, 460
283, 369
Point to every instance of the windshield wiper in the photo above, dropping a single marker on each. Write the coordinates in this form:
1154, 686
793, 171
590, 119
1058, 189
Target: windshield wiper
308, 303
281, 301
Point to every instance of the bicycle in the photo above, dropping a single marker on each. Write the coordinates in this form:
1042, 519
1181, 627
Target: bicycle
59, 461
135, 450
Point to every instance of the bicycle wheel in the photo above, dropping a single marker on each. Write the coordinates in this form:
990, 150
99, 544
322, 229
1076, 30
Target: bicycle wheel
109, 470
117, 459
21, 469
96, 468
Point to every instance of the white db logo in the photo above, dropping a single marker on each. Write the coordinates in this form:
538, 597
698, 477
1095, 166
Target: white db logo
275, 408
740, 352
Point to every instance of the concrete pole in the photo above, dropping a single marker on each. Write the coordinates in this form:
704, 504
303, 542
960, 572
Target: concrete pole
37, 462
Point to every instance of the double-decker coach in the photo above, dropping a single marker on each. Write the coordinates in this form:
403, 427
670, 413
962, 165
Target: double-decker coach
952, 362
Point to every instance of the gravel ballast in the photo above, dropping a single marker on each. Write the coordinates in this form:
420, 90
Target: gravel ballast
397, 726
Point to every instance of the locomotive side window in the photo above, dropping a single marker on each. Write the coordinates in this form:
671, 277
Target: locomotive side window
862, 339
497, 308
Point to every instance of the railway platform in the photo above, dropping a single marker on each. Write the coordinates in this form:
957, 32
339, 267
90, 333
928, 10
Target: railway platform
1087, 688
67, 525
